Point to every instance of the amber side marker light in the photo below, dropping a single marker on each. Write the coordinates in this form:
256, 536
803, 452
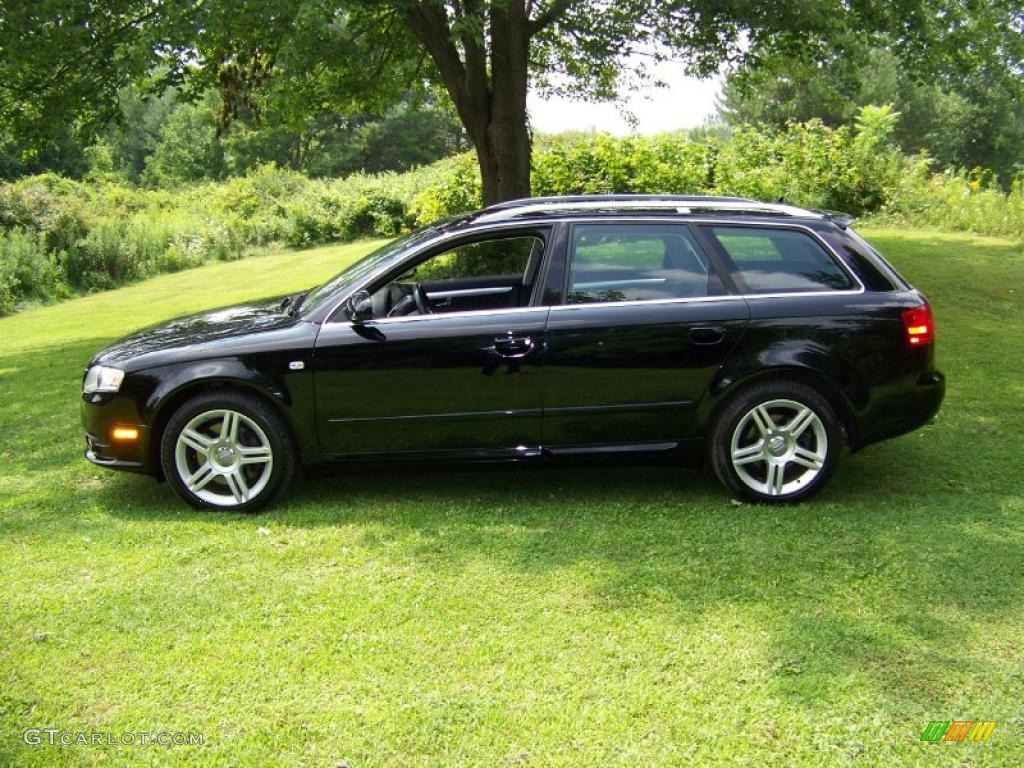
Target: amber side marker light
125, 433
919, 324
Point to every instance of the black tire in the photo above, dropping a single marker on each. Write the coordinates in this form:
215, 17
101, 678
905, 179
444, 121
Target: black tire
768, 456
243, 483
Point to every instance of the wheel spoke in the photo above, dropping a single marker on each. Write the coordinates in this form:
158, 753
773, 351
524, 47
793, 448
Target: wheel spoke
201, 477
239, 488
229, 428
774, 479
762, 420
807, 458
259, 454
800, 422
748, 454
197, 441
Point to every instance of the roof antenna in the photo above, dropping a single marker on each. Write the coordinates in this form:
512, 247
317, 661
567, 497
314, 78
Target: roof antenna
781, 201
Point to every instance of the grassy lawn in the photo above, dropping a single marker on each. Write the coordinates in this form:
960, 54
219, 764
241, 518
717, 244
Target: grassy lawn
595, 616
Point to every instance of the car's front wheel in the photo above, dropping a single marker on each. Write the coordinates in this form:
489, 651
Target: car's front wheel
227, 450
776, 442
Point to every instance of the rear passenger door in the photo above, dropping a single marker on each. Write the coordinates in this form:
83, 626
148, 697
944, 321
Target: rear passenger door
641, 320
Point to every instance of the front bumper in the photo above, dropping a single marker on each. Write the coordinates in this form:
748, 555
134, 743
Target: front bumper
100, 416
112, 455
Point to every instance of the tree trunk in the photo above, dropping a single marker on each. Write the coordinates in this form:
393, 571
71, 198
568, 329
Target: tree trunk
503, 153
491, 104
505, 158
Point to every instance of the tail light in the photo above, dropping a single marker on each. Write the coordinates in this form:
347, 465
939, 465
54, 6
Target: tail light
919, 324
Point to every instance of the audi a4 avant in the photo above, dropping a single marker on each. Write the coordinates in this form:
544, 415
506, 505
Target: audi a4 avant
763, 337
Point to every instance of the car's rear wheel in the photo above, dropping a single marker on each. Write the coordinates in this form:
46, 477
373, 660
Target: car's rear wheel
776, 442
227, 450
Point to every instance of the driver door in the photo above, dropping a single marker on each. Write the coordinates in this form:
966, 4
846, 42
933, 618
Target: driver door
455, 369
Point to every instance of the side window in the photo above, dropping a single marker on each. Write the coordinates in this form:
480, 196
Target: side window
770, 260
489, 258
635, 262
483, 275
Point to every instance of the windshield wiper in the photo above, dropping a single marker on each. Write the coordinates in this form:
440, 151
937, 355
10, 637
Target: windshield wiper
293, 302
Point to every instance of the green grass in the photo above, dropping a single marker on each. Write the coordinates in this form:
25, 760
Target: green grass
576, 616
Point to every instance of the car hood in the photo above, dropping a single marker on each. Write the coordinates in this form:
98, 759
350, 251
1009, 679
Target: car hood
229, 330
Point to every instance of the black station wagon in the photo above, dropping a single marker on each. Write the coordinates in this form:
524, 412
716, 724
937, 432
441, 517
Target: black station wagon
762, 336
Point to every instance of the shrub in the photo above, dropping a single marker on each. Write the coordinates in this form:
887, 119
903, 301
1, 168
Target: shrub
48, 204
328, 212
374, 216
968, 201
454, 188
28, 270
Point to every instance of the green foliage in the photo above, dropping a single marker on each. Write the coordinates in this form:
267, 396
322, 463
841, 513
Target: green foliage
27, 269
849, 169
454, 187
957, 200
963, 120
187, 151
165, 141
360, 205
605, 164
65, 62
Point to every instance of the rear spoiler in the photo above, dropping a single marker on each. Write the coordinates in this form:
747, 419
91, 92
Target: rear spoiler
841, 220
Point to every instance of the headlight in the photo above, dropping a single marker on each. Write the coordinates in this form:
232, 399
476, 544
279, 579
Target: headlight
100, 378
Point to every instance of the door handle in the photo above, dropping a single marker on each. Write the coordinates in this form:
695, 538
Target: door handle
707, 334
513, 346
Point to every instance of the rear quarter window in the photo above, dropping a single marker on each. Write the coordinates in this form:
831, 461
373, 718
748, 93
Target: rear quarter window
881, 276
776, 260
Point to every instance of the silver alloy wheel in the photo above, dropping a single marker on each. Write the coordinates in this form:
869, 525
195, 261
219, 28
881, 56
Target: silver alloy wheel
779, 447
223, 457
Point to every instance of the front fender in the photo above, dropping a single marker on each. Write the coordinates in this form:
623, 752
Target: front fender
290, 391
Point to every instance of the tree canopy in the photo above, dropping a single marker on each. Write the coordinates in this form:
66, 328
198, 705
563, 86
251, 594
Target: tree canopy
71, 58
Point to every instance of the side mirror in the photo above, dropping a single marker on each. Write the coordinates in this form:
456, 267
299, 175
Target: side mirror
359, 306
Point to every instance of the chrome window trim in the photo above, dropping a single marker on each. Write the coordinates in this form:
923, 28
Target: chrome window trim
454, 294
645, 302
439, 315
632, 281
589, 305
625, 219
725, 297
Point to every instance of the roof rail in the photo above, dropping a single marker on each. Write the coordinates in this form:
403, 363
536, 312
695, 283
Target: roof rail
612, 198
637, 203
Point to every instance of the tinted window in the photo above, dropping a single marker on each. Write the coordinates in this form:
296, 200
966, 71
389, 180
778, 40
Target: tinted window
485, 275
619, 262
508, 256
780, 260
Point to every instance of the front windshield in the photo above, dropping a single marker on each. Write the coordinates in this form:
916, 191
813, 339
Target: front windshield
359, 269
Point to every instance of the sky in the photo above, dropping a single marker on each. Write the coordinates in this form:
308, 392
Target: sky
685, 102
